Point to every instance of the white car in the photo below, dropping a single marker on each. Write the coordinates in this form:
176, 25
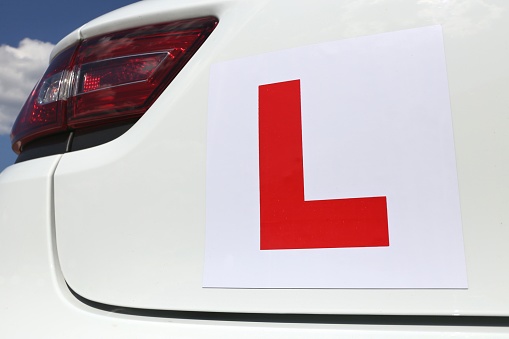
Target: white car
264, 169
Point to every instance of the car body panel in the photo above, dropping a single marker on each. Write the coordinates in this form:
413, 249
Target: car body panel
36, 301
150, 255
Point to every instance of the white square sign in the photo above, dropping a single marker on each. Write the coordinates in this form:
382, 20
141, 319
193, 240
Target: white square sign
333, 166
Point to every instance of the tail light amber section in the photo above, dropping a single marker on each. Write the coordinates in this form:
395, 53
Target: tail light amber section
108, 78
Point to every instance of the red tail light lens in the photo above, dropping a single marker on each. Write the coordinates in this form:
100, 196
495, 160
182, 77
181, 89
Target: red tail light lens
108, 78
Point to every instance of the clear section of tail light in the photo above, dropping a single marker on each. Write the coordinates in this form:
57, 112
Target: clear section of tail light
109, 78
50, 89
45, 109
116, 72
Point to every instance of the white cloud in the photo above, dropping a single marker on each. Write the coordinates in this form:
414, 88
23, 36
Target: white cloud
20, 68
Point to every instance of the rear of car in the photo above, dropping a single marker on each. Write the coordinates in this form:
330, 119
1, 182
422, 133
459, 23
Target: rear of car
131, 211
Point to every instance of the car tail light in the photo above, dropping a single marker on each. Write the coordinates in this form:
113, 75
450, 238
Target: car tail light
108, 79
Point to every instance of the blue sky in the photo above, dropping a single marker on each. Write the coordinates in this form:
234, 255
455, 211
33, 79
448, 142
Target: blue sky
28, 30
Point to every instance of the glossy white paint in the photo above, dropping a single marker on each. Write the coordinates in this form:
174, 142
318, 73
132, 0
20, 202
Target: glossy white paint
130, 214
36, 303
128, 223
